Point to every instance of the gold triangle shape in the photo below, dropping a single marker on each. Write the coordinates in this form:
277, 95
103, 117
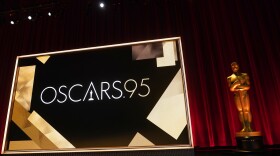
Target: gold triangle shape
43, 59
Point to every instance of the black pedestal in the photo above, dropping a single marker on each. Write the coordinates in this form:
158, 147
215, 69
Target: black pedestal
249, 141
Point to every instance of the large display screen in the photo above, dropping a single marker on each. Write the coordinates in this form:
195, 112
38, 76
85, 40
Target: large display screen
118, 97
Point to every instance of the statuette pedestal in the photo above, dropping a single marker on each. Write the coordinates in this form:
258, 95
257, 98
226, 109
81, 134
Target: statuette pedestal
249, 141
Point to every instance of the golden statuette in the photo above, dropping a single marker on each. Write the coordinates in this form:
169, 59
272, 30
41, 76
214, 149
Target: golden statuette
239, 84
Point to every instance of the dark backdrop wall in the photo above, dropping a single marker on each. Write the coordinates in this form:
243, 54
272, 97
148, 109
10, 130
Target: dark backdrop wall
214, 33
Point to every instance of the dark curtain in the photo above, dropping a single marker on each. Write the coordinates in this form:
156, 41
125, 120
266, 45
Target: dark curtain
214, 33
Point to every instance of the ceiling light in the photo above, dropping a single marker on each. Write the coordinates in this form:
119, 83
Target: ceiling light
29, 17
101, 5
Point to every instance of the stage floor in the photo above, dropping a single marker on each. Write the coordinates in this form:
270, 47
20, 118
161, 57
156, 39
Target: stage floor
231, 151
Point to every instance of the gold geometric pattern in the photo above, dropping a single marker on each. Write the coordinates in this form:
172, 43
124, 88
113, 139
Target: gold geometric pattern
23, 145
169, 55
43, 59
41, 133
20, 118
24, 86
140, 140
169, 113
48, 131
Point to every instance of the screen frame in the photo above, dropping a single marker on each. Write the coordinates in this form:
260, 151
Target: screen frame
107, 149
